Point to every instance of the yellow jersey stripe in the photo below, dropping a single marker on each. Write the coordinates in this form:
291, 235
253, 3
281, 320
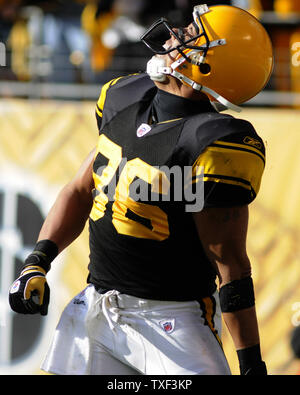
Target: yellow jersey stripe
243, 147
230, 181
218, 178
104, 90
98, 111
237, 167
208, 307
169, 120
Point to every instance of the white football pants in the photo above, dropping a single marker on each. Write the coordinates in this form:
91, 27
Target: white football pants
117, 334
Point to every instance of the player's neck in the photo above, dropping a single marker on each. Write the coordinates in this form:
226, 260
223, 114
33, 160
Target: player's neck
175, 87
168, 106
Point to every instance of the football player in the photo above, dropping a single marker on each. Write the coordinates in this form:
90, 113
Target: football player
166, 192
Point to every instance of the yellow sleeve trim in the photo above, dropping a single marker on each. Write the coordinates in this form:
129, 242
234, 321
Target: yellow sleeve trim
101, 100
170, 120
241, 146
99, 113
227, 181
231, 166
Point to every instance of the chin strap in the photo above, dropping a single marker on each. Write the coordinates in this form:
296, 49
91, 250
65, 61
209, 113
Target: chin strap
220, 99
157, 71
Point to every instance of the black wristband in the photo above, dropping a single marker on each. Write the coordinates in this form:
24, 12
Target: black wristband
237, 295
45, 251
250, 361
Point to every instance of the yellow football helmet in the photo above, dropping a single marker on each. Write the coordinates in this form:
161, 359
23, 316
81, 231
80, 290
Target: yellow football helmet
230, 59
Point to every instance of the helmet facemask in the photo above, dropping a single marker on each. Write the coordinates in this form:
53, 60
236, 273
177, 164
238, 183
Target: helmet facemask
156, 36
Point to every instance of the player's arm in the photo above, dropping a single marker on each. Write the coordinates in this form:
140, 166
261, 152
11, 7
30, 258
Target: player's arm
223, 233
232, 171
71, 209
61, 227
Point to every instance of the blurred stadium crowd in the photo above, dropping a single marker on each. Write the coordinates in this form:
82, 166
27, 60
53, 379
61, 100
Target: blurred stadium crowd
88, 41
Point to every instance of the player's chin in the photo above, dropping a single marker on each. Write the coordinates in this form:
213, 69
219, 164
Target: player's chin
169, 58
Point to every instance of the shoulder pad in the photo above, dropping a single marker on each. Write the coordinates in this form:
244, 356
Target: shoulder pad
246, 138
122, 92
203, 129
232, 164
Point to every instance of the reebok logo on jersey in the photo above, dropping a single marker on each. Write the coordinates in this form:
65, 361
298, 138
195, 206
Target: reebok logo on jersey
143, 129
251, 141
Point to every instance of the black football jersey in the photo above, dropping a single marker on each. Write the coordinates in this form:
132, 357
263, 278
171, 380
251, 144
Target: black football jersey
149, 179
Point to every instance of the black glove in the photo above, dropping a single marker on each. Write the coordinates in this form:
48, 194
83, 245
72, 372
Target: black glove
23, 292
30, 293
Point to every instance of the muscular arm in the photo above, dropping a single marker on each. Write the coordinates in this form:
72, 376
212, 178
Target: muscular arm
68, 215
223, 233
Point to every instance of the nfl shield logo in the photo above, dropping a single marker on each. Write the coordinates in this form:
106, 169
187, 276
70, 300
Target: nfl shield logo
143, 129
168, 325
